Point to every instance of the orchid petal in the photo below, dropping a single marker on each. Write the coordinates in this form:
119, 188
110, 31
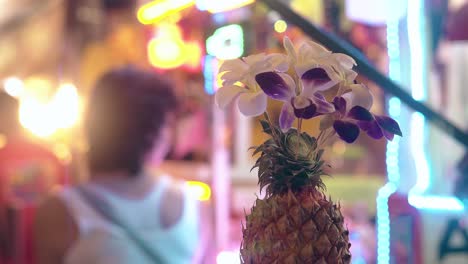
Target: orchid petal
290, 50
302, 110
347, 131
255, 58
348, 97
314, 48
389, 125
316, 79
287, 117
318, 75
326, 122
252, 104
260, 66
360, 113
350, 75
226, 94
300, 102
371, 128
340, 105
388, 135
359, 95
323, 106
244, 70
231, 77
333, 74
276, 85
279, 62
233, 65
290, 82
344, 60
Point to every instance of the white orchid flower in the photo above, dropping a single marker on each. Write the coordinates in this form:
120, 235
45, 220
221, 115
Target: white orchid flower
359, 95
312, 55
238, 80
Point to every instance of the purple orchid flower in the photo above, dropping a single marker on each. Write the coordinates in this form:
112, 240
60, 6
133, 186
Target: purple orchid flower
308, 103
348, 124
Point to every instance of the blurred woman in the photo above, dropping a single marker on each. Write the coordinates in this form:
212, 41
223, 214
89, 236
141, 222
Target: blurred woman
129, 126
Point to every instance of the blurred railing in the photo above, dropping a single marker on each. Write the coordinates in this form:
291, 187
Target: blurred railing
365, 68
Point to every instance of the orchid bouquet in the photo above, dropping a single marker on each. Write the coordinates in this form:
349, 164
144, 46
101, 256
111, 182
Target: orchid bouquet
295, 222
299, 79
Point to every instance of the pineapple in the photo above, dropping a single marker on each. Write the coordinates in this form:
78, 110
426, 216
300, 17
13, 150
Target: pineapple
295, 222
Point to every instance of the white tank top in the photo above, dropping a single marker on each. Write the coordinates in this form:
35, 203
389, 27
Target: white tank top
102, 242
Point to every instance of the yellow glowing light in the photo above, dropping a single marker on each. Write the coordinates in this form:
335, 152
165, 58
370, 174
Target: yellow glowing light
62, 152
167, 49
280, 26
33, 116
222, 6
168, 30
165, 53
44, 118
155, 10
65, 106
3, 141
199, 190
13, 86
193, 55
38, 87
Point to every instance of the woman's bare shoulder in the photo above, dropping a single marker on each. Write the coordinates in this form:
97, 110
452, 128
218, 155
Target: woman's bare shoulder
172, 204
55, 230
54, 210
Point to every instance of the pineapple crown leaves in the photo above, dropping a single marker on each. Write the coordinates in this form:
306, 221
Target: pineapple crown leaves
289, 161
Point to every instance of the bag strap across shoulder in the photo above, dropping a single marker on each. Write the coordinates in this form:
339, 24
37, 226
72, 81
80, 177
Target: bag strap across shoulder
105, 210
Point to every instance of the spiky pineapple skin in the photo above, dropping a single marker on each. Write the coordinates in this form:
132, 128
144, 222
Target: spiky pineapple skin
303, 227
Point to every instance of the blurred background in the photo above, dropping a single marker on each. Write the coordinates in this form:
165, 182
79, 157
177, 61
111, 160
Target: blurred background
402, 200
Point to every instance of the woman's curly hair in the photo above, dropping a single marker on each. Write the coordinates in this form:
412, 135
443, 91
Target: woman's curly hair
126, 111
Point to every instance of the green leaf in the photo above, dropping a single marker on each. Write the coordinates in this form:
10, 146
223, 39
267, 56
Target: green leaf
319, 164
253, 147
308, 138
257, 150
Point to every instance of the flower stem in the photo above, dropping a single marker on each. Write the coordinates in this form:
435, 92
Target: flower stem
273, 130
267, 118
319, 137
325, 137
299, 125
320, 140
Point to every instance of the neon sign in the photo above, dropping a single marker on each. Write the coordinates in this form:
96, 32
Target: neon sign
210, 72
156, 10
200, 190
167, 50
226, 42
